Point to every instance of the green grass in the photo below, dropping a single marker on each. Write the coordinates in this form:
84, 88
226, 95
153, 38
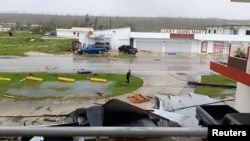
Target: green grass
24, 42
17, 82
216, 79
215, 92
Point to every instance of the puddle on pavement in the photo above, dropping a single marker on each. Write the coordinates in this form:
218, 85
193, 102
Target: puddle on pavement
64, 89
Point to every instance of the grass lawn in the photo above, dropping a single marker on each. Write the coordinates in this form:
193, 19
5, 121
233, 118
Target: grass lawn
119, 87
216, 92
24, 41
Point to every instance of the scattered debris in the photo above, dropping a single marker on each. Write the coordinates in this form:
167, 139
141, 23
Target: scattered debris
184, 105
138, 98
99, 93
49, 109
23, 79
14, 97
114, 113
50, 120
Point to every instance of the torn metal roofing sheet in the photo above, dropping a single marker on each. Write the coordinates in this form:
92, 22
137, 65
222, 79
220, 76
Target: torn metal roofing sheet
95, 115
118, 113
184, 105
178, 118
114, 113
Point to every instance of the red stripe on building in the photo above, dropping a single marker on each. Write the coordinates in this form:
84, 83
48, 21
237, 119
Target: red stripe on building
231, 73
182, 36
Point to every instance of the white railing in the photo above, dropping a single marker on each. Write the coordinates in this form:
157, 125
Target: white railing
105, 131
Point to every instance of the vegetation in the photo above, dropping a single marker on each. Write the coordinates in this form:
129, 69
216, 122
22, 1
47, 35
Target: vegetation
25, 41
18, 82
216, 79
216, 92
240, 52
140, 24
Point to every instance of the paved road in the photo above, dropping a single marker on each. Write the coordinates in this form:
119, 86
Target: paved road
104, 64
161, 74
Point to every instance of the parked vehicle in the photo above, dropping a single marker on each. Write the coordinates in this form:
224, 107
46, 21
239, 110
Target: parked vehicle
127, 49
220, 115
92, 49
106, 45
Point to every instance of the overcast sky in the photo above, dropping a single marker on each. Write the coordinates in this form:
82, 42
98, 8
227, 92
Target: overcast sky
136, 8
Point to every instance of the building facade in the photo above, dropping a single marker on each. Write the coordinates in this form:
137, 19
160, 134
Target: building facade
176, 41
74, 32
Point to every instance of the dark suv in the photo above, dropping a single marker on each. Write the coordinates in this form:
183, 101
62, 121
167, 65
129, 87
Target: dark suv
127, 49
106, 45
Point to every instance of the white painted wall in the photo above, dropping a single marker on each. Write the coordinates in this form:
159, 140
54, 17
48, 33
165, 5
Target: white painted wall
83, 38
242, 98
4, 29
149, 35
118, 36
221, 37
220, 30
66, 33
210, 46
242, 31
226, 31
149, 44
196, 46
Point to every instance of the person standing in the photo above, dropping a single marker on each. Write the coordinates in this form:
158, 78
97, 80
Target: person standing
128, 75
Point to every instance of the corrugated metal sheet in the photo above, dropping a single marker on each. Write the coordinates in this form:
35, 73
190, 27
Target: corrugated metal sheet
184, 105
95, 115
178, 118
114, 113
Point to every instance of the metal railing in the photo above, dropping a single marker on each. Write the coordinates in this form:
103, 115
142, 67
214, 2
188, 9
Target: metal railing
105, 131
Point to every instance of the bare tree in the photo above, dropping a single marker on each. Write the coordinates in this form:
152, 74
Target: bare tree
95, 23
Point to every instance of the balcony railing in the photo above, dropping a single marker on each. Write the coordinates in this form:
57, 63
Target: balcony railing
230, 72
105, 131
237, 63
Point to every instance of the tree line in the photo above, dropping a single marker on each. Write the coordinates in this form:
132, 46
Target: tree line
137, 24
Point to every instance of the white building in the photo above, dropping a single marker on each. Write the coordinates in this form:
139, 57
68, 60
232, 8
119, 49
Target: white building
173, 40
74, 32
4, 29
115, 37
229, 30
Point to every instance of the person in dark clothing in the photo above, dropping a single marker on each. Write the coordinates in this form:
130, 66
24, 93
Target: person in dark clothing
128, 75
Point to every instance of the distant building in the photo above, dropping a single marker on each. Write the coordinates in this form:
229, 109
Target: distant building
4, 29
74, 32
10, 25
211, 40
229, 29
6, 26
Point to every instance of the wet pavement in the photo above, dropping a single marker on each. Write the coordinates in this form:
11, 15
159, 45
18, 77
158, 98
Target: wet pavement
156, 71
64, 89
71, 63
161, 74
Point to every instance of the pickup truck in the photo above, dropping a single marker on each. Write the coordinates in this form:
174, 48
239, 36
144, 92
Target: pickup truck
127, 49
220, 115
92, 49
